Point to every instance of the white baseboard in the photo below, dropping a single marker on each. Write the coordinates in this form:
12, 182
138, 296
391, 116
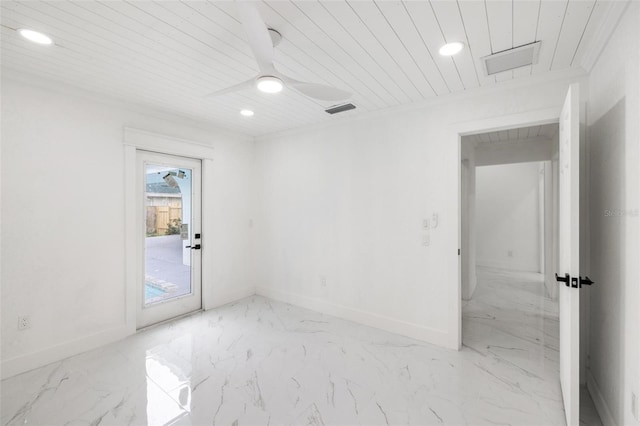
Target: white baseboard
14, 366
415, 331
598, 399
218, 300
508, 265
552, 288
21, 364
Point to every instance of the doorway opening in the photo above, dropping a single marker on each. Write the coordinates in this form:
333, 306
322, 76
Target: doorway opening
170, 274
510, 240
509, 246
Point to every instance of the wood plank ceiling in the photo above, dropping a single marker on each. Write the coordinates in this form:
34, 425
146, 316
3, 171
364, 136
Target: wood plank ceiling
521, 134
168, 54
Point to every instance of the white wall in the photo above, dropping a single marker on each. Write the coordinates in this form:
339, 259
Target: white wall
515, 151
63, 218
507, 216
347, 201
468, 279
551, 226
614, 153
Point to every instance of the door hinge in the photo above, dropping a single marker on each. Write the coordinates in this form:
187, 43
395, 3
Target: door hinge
458, 252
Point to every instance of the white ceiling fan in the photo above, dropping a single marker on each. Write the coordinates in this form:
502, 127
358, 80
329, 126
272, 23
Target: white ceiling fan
269, 79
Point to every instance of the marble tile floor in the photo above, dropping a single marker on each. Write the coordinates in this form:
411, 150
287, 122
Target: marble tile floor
511, 317
261, 362
588, 414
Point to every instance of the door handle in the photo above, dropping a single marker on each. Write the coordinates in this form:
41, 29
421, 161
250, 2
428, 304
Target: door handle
564, 279
575, 282
585, 281
195, 247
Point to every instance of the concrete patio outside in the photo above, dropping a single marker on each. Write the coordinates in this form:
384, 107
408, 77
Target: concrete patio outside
165, 274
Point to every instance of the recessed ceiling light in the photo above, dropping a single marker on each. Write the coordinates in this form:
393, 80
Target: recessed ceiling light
451, 49
246, 112
269, 84
35, 36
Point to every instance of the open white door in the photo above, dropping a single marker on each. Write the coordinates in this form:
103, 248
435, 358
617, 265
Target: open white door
569, 246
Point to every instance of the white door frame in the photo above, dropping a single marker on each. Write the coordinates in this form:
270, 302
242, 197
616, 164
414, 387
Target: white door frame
134, 140
153, 313
457, 131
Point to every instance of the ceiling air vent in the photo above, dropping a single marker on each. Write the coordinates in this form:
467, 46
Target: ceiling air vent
506, 60
340, 108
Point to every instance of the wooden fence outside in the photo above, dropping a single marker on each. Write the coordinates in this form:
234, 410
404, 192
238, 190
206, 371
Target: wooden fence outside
159, 218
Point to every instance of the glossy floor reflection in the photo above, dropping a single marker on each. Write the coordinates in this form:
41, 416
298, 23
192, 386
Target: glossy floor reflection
511, 318
260, 362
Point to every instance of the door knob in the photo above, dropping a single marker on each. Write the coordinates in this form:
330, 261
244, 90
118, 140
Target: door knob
195, 247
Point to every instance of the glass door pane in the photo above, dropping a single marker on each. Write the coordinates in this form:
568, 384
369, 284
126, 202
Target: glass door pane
168, 218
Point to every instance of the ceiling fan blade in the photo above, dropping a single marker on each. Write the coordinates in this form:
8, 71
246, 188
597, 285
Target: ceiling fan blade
258, 35
234, 88
317, 91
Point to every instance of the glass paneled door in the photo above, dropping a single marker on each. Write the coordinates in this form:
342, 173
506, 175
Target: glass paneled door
170, 237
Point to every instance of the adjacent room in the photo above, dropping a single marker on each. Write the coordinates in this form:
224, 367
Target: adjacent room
320, 212
509, 214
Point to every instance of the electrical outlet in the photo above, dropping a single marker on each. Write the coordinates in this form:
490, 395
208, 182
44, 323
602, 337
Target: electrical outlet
323, 281
426, 240
24, 322
510, 253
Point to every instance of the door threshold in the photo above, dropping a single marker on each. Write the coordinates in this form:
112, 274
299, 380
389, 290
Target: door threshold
179, 317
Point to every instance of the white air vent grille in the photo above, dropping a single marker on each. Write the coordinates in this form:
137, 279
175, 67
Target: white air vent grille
506, 60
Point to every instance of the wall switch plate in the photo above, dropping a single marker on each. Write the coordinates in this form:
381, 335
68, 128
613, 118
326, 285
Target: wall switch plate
323, 281
426, 240
425, 224
434, 220
24, 322
509, 253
